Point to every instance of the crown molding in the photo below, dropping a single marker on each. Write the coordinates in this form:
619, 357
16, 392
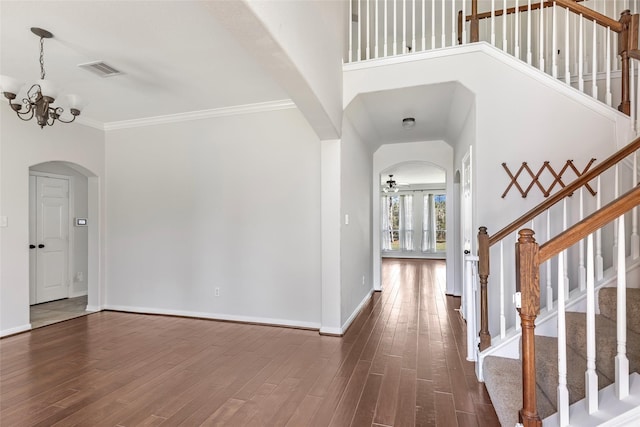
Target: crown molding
201, 114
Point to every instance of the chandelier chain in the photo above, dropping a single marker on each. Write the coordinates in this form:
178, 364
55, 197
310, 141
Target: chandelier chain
42, 73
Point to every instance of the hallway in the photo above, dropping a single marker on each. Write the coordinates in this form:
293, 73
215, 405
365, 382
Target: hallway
400, 364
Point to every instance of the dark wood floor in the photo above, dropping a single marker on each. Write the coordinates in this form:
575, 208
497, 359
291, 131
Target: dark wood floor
401, 363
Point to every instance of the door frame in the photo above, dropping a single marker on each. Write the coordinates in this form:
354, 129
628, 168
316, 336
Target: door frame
71, 236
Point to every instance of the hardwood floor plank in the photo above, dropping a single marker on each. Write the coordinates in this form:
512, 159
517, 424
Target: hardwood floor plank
367, 405
402, 362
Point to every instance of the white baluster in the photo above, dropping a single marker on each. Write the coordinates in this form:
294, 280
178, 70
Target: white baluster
599, 259
404, 27
413, 26
615, 15
377, 34
564, 253
529, 54
581, 54
433, 24
464, 22
359, 30
590, 376
395, 27
616, 193
424, 34
622, 363
516, 42
635, 239
582, 272
368, 44
567, 56
493, 22
554, 41
541, 35
453, 23
632, 97
518, 322
548, 267
503, 319
505, 46
563, 392
608, 68
442, 36
350, 32
594, 63
386, 20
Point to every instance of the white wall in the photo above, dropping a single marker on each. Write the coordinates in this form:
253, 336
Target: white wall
79, 235
23, 144
356, 162
230, 203
438, 153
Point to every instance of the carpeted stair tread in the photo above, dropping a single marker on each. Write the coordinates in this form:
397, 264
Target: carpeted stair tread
606, 342
503, 379
547, 370
607, 301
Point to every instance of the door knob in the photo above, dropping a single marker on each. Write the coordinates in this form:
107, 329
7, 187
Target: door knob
467, 251
32, 246
41, 246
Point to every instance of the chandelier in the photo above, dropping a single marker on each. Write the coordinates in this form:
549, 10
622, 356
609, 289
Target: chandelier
40, 96
391, 185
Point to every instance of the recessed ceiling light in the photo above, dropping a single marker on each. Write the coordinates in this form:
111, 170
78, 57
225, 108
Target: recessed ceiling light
408, 122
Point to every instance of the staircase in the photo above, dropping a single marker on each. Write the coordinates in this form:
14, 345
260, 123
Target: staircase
503, 376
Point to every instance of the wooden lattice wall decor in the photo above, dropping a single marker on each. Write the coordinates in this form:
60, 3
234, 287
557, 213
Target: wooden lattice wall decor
535, 178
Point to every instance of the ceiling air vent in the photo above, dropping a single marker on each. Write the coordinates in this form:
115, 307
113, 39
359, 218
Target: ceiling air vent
100, 68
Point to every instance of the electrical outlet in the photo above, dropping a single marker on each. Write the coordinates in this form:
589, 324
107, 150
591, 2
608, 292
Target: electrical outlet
217, 292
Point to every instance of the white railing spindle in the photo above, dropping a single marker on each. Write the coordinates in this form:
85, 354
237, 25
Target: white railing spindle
548, 268
594, 62
464, 22
563, 392
368, 45
350, 20
359, 30
453, 23
582, 273
516, 46
529, 53
413, 26
433, 24
541, 36
616, 193
554, 41
622, 362
404, 27
505, 45
493, 22
608, 68
564, 253
567, 56
581, 54
443, 35
635, 239
590, 376
377, 36
503, 319
424, 33
599, 259
386, 29
395, 27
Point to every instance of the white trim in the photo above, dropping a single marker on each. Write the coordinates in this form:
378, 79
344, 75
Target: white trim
93, 308
496, 53
213, 316
330, 330
258, 107
355, 313
89, 122
15, 330
77, 294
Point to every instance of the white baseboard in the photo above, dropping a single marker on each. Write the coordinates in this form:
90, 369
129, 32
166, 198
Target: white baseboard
93, 308
330, 331
214, 316
16, 330
355, 313
77, 294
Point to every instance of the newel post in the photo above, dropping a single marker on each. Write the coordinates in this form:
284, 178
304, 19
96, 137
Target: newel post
483, 272
474, 24
528, 285
623, 51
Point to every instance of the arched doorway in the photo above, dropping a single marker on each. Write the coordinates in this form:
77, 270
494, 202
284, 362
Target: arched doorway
63, 246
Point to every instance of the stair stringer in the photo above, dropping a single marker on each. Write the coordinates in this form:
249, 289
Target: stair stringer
546, 323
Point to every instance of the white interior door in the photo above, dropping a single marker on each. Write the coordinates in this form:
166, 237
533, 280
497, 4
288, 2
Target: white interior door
52, 239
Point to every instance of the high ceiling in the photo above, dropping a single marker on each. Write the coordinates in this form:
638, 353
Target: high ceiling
175, 56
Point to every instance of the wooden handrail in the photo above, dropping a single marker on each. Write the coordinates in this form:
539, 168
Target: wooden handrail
590, 224
566, 191
512, 10
572, 5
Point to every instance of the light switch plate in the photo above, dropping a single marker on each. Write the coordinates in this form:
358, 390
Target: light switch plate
4, 222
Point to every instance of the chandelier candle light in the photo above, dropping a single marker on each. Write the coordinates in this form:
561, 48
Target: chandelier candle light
40, 96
